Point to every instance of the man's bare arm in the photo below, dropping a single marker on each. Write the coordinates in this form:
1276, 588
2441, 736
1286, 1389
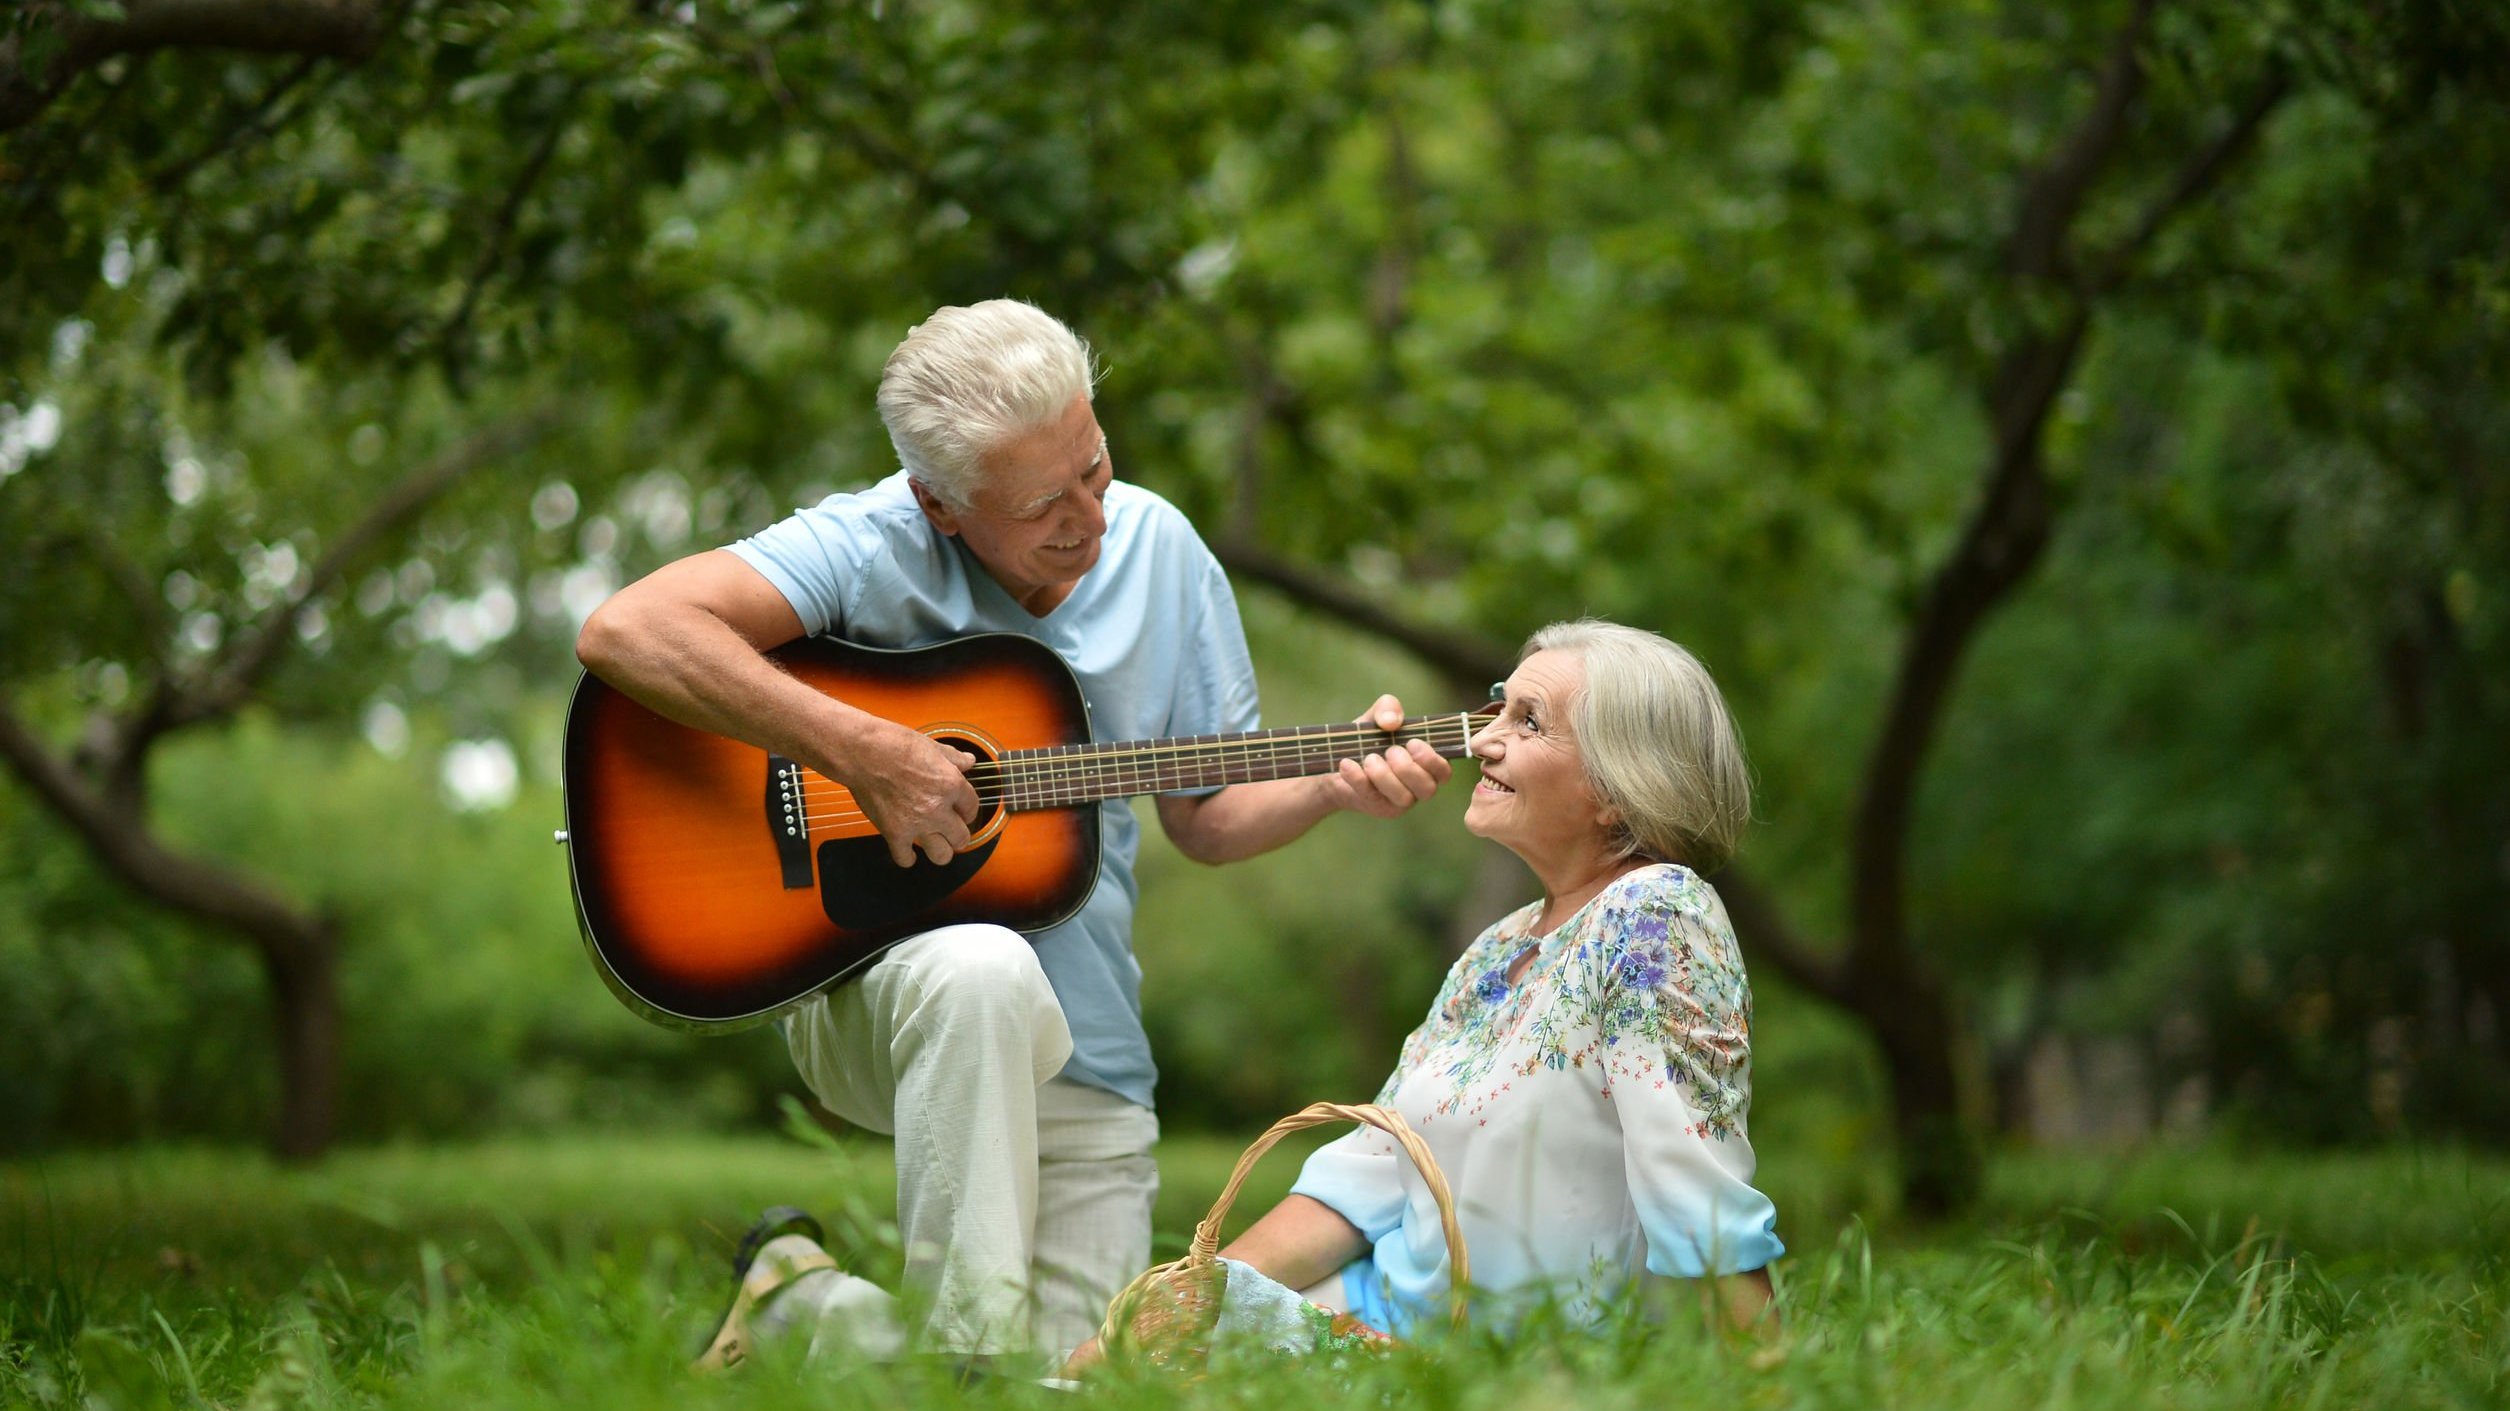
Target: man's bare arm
1244, 820
686, 641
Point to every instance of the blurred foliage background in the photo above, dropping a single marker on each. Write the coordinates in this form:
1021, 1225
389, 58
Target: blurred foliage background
2073, 434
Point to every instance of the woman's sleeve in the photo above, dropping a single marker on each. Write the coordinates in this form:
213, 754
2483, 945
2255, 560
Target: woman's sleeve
1360, 1175
1677, 1036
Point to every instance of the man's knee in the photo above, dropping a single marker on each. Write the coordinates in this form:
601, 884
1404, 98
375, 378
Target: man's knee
979, 975
974, 963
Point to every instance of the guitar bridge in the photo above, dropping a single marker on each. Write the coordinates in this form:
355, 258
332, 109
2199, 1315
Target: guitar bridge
788, 818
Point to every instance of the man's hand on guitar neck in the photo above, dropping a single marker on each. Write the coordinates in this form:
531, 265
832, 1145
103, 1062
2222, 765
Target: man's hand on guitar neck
1244, 820
1386, 783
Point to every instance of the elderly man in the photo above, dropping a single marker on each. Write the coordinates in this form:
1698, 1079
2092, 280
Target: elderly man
1013, 1071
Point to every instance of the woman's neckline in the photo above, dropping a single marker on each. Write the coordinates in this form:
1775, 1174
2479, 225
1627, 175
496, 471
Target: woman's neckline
1530, 946
1533, 931
1531, 936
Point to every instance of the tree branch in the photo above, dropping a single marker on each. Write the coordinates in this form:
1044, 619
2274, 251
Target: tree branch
2010, 529
1998, 548
174, 174
1468, 659
2192, 181
500, 231
759, 56
1269, 401
1390, 279
140, 597
122, 843
340, 29
232, 681
2056, 193
2006, 533
1765, 935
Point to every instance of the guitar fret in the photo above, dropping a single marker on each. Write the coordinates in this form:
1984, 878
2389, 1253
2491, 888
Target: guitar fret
1061, 776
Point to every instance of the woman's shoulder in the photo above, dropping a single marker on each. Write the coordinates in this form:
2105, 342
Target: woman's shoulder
1660, 889
1659, 911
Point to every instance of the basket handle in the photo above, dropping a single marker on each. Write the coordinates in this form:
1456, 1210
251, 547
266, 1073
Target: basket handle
1206, 1242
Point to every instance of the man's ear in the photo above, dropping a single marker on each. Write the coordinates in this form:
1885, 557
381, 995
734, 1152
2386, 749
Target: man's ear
935, 508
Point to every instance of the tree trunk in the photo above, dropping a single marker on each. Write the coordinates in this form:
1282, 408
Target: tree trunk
1939, 1156
299, 949
98, 788
304, 975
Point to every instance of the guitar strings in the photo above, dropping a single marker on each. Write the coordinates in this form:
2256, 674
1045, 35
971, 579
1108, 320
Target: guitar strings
1049, 774
1267, 744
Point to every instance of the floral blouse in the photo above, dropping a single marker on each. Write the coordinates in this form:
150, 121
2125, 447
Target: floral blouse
1589, 1116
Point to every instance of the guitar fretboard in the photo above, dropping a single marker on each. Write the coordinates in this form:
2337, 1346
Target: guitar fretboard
1064, 775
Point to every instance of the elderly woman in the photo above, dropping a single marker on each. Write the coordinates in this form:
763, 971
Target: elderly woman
1584, 1077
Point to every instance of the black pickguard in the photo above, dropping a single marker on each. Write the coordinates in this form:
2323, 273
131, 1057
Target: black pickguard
861, 889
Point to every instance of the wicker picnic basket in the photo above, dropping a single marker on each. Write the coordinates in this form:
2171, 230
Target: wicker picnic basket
1167, 1315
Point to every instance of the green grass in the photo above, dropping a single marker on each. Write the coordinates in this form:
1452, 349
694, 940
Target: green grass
585, 1270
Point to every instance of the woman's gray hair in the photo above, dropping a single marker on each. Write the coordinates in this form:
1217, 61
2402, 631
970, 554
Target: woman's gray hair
973, 378
1658, 747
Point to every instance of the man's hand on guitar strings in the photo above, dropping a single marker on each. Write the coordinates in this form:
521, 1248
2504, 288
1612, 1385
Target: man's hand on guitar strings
915, 790
1388, 783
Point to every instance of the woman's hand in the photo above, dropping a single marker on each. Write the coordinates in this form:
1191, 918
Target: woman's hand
1083, 1358
1730, 1303
1299, 1243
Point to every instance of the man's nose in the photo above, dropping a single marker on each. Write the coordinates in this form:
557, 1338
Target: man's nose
1089, 517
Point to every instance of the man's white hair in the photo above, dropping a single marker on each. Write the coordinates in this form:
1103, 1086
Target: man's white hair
971, 379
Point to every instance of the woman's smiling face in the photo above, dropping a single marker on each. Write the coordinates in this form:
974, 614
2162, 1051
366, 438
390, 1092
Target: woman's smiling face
1534, 797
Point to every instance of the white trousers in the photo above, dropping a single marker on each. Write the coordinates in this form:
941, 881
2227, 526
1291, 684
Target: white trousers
1023, 1198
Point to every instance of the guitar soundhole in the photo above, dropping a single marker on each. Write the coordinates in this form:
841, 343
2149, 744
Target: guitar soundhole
862, 889
989, 808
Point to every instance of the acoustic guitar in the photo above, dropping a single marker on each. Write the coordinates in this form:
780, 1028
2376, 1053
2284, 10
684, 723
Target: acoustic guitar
719, 885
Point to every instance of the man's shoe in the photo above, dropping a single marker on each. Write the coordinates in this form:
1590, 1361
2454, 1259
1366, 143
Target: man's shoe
781, 1246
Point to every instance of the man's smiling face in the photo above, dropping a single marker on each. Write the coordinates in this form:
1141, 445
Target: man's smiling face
1039, 510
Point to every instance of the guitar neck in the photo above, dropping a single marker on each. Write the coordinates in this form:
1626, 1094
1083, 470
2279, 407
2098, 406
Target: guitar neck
1064, 775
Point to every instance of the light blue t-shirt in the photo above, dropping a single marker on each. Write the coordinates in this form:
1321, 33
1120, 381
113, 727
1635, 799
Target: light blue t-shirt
1152, 633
